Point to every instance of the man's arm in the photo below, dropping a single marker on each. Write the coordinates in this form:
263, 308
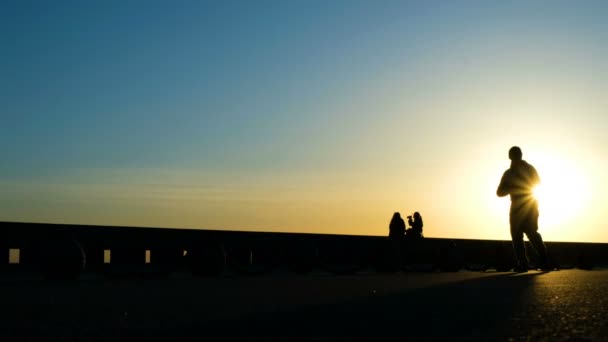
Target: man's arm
503, 187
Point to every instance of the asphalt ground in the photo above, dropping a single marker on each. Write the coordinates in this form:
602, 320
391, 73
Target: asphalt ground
559, 305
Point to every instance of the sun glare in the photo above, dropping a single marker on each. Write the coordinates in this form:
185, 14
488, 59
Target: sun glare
562, 194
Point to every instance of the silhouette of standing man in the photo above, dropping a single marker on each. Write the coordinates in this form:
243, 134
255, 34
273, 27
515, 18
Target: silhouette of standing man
519, 181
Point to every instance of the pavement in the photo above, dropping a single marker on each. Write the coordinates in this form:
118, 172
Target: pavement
555, 306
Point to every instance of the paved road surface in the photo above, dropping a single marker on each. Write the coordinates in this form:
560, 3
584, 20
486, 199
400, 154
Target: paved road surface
562, 305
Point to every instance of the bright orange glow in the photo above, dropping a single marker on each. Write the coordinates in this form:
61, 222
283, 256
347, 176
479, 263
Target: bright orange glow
563, 193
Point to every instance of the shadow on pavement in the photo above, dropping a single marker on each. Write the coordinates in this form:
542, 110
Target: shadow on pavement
471, 309
268, 308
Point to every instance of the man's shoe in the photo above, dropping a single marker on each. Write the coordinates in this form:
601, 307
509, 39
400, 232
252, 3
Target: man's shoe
546, 265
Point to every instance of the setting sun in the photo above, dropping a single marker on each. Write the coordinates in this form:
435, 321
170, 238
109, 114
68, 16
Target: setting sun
562, 194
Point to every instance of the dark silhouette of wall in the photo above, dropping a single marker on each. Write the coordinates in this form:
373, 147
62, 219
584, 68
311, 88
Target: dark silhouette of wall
64, 251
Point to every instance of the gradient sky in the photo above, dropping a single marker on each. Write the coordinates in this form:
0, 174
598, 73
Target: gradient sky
302, 116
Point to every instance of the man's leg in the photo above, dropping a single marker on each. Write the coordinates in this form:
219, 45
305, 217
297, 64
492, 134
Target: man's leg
517, 237
536, 240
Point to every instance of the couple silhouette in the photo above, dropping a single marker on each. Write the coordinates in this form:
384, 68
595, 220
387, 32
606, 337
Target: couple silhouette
397, 227
403, 240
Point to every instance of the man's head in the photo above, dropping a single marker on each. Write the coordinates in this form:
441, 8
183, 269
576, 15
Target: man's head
515, 153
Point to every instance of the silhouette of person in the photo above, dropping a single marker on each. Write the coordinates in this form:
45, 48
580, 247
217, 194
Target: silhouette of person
396, 234
518, 182
396, 228
416, 224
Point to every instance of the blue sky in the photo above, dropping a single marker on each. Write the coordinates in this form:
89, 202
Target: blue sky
321, 116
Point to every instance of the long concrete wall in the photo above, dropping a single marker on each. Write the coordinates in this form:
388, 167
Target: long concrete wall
65, 251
